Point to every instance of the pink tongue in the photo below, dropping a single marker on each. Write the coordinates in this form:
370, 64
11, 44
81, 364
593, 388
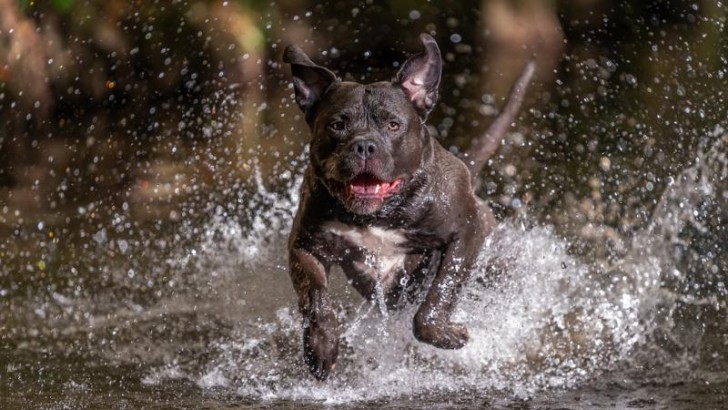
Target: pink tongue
370, 189
369, 185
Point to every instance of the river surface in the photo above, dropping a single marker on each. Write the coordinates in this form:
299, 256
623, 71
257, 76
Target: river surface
103, 310
150, 160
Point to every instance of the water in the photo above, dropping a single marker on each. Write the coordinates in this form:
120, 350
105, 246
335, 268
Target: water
149, 171
199, 312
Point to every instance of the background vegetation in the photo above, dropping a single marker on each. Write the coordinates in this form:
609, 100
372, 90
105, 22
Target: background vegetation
136, 107
148, 147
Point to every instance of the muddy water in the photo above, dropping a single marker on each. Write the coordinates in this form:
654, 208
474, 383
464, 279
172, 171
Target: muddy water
107, 311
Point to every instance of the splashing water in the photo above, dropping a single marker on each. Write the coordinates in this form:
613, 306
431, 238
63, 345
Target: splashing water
539, 318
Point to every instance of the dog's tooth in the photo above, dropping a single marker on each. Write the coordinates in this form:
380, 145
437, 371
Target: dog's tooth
377, 188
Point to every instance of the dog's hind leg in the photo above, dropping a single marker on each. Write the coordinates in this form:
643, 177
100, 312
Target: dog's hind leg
411, 283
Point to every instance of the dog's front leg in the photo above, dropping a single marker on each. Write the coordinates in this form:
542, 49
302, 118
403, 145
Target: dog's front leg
320, 333
432, 321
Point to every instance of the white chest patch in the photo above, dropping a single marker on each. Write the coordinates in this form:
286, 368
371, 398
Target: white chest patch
384, 248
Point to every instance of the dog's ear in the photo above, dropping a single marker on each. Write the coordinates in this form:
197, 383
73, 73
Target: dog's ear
420, 76
309, 80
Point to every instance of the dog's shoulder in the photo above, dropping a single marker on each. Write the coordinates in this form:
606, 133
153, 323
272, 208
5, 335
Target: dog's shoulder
451, 174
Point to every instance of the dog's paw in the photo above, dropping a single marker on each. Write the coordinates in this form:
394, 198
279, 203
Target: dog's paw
443, 335
320, 350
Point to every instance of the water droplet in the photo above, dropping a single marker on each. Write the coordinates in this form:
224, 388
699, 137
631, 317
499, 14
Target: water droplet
123, 246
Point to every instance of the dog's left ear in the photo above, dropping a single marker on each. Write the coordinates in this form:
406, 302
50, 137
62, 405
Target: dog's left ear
420, 76
309, 79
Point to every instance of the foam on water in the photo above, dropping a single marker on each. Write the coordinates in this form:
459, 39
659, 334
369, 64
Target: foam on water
539, 318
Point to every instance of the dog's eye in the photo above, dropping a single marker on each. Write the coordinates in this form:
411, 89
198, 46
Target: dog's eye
336, 125
393, 126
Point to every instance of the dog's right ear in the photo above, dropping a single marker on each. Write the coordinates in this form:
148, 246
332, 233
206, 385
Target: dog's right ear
309, 80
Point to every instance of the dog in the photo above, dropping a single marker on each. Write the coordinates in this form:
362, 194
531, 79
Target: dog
382, 199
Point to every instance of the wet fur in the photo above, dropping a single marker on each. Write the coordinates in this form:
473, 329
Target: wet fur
430, 231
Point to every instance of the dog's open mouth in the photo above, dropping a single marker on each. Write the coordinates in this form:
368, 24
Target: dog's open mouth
368, 186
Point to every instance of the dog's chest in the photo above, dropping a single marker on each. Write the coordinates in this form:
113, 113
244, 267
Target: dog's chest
382, 251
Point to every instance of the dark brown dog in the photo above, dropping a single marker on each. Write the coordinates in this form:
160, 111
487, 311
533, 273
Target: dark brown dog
384, 200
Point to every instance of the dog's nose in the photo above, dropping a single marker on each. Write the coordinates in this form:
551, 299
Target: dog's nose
364, 149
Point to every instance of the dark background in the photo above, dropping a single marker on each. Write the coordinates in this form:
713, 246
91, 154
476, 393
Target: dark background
149, 151
139, 106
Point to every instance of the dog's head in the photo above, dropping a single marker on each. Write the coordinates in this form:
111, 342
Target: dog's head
369, 140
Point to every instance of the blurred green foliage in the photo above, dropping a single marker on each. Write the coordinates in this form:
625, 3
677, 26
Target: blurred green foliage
63, 5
